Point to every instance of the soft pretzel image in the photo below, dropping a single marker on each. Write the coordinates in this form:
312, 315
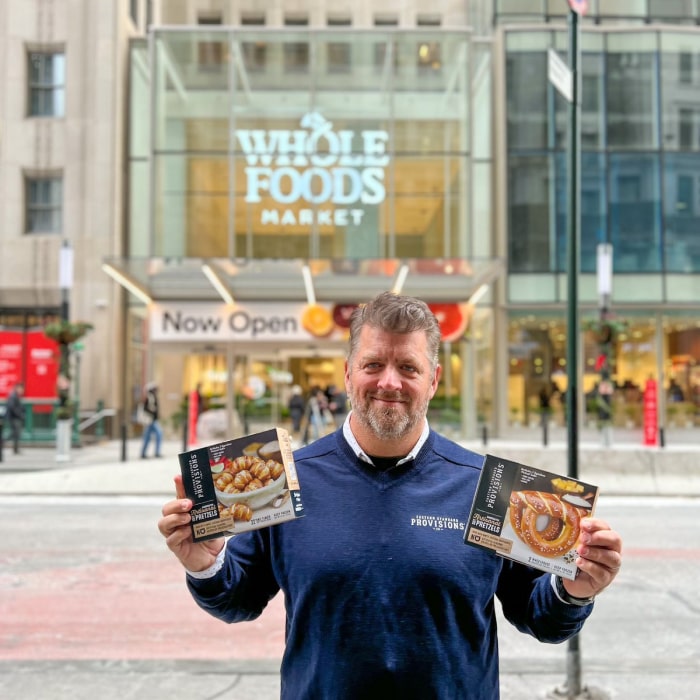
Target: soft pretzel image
561, 530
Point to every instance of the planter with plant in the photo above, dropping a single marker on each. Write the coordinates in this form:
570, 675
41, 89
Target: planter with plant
65, 333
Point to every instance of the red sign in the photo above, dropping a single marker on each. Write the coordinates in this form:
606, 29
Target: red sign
192, 413
651, 413
42, 366
10, 360
580, 7
453, 319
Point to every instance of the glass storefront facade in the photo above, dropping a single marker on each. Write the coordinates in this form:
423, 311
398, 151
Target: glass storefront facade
640, 173
357, 154
303, 144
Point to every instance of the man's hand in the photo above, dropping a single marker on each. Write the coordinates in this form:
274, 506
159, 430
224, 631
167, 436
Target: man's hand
599, 560
175, 527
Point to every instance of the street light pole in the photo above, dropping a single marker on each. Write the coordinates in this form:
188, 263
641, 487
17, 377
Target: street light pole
65, 282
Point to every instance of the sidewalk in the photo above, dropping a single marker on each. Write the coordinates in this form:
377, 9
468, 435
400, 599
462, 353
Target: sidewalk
623, 469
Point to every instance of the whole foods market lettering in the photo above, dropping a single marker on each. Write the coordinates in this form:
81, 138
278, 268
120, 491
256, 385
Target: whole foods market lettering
317, 165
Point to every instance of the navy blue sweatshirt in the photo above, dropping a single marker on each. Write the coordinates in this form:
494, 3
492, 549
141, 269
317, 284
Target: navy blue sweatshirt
382, 595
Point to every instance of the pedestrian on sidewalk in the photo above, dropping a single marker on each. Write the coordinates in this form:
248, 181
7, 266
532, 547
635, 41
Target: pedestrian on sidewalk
383, 598
15, 415
296, 406
151, 429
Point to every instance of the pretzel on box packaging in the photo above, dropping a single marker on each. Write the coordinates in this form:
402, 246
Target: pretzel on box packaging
242, 484
529, 515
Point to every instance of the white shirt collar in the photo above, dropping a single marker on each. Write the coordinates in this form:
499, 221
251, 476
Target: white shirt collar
361, 454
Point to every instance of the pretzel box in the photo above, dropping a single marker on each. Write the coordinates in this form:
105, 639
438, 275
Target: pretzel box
242, 484
529, 515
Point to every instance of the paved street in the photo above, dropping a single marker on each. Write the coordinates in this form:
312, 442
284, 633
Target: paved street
93, 604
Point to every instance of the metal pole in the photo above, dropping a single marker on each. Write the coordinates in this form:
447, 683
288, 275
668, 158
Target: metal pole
573, 665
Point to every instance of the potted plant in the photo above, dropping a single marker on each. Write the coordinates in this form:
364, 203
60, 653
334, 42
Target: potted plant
65, 333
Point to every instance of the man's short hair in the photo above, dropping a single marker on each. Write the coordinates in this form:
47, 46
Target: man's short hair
395, 313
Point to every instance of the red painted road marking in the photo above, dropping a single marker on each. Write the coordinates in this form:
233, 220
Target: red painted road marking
123, 610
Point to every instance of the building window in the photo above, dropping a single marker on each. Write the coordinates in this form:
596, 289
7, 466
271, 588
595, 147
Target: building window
685, 67
339, 53
134, 11
388, 47
429, 59
296, 54
254, 52
210, 53
44, 201
47, 72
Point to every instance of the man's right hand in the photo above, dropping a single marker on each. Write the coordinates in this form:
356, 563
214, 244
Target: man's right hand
175, 527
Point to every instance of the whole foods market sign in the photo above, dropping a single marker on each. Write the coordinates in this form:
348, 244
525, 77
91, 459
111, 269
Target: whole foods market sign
337, 173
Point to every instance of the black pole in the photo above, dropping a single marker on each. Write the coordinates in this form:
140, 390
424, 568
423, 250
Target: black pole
545, 431
573, 660
123, 431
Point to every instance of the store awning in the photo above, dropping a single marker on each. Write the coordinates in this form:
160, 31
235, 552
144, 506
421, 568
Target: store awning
336, 280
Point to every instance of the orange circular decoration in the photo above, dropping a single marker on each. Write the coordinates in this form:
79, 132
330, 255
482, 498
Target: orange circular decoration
317, 320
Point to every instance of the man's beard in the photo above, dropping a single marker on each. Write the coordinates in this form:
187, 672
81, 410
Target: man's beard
388, 422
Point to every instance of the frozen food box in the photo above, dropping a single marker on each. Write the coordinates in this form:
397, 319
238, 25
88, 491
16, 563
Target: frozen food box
242, 484
529, 515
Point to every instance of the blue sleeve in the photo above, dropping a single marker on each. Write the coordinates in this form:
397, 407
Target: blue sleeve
244, 585
531, 605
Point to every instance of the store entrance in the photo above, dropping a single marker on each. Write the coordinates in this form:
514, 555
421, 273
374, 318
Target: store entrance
242, 390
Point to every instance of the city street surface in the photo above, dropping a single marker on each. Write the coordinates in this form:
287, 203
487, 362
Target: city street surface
92, 604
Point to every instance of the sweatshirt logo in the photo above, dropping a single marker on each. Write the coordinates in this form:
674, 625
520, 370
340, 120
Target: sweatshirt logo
438, 523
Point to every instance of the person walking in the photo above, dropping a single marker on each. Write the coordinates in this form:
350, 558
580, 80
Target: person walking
152, 429
296, 406
337, 404
383, 597
15, 415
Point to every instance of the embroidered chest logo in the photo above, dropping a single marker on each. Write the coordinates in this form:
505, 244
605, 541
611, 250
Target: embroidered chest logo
437, 522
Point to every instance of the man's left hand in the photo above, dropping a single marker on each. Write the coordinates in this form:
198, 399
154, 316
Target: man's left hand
600, 557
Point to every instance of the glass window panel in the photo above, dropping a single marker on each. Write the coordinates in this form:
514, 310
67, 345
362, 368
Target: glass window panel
530, 213
44, 204
482, 110
533, 8
680, 96
632, 99
526, 94
339, 53
296, 53
593, 101
623, 8
635, 212
46, 84
592, 206
672, 9
682, 212
202, 170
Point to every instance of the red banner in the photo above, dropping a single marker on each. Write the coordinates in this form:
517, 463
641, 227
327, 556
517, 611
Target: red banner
11, 353
192, 413
651, 413
42, 367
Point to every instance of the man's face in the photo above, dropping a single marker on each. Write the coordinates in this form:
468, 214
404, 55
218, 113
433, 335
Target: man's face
390, 382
